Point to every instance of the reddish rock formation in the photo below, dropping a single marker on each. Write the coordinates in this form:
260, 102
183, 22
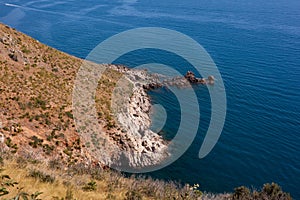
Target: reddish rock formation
190, 76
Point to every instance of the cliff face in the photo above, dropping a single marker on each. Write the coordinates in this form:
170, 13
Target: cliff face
36, 85
131, 107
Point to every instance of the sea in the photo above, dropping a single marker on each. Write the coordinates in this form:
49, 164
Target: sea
256, 47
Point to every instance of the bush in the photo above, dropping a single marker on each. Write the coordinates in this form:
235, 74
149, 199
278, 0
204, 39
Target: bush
90, 186
69, 195
38, 103
55, 164
69, 114
133, 195
26, 196
1, 161
5, 182
242, 193
274, 191
48, 149
269, 192
9, 143
43, 177
35, 142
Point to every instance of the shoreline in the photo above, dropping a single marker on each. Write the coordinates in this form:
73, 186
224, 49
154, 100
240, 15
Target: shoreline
131, 109
51, 96
134, 115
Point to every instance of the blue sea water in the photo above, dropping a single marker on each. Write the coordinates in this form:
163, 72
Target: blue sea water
256, 46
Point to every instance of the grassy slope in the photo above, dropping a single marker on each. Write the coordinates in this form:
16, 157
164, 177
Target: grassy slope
56, 181
36, 83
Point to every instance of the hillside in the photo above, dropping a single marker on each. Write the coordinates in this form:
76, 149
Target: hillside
37, 126
36, 87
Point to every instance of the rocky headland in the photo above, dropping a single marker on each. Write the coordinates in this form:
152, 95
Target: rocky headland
131, 106
36, 106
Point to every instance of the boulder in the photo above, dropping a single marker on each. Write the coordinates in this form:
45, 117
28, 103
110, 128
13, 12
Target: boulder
13, 56
202, 81
5, 40
211, 79
190, 76
152, 86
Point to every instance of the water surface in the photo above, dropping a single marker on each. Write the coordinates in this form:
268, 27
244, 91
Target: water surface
256, 46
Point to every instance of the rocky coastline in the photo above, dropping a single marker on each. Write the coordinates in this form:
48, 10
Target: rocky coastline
41, 105
131, 106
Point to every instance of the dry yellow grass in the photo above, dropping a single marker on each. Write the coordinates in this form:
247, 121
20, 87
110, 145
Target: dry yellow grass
55, 181
59, 187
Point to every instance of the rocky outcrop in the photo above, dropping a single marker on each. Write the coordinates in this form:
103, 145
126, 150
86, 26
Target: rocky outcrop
140, 146
211, 79
13, 56
48, 76
12, 49
178, 81
190, 76
6, 40
133, 140
152, 86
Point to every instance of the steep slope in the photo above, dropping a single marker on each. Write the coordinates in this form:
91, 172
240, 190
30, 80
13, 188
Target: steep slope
36, 84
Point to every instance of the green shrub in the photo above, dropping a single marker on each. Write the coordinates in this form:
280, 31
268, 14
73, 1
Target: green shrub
90, 186
25, 50
48, 149
26, 196
274, 191
3, 191
69, 114
68, 151
43, 177
69, 195
35, 142
133, 195
269, 192
110, 197
242, 193
38, 103
9, 143
5, 181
